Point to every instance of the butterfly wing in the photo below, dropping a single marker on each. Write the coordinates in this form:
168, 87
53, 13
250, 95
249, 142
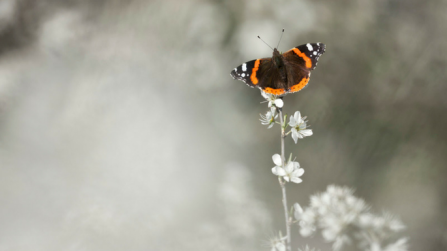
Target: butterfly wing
299, 62
244, 72
260, 73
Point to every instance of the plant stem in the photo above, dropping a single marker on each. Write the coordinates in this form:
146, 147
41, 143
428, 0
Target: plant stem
282, 183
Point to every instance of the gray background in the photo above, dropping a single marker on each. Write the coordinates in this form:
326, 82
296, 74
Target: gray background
121, 129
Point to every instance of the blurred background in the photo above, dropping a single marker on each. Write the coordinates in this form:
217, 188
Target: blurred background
121, 128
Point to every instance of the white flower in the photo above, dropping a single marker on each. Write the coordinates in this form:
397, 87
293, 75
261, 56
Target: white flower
273, 100
306, 230
279, 247
343, 218
269, 118
290, 172
277, 243
298, 125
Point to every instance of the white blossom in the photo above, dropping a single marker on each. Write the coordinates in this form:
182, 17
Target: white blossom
273, 100
298, 125
343, 218
269, 118
290, 172
279, 246
278, 243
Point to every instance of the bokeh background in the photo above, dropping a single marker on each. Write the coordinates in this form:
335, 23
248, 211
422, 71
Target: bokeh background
121, 128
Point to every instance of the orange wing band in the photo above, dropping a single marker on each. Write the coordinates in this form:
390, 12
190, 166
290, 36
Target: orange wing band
300, 85
253, 77
303, 56
274, 91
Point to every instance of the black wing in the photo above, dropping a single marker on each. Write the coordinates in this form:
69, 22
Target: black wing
299, 62
261, 73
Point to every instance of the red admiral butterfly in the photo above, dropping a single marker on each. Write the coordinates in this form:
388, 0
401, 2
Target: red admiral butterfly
283, 73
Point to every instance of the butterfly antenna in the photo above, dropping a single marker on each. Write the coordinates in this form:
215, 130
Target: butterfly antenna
265, 42
280, 38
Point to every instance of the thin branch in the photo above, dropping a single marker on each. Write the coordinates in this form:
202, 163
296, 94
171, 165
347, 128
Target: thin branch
282, 183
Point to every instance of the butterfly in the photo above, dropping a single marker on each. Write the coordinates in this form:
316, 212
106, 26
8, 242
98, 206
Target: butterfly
283, 73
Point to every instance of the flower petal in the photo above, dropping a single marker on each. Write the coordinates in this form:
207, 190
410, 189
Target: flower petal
278, 171
306, 132
289, 167
296, 180
292, 122
297, 173
297, 116
286, 178
295, 135
279, 103
277, 159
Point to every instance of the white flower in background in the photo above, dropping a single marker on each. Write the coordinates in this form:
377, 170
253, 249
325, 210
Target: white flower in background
343, 218
291, 171
307, 223
269, 118
306, 220
273, 100
277, 243
298, 125
279, 246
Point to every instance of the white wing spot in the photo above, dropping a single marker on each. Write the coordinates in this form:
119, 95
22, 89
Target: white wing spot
243, 75
235, 69
309, 47
244, 67
318, 44
315, 52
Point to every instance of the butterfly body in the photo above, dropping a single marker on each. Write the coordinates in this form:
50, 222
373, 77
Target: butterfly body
278, 62
282, 73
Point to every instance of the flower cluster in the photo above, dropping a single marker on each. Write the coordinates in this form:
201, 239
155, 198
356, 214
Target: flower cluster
290, 171
299, 128
342, 218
